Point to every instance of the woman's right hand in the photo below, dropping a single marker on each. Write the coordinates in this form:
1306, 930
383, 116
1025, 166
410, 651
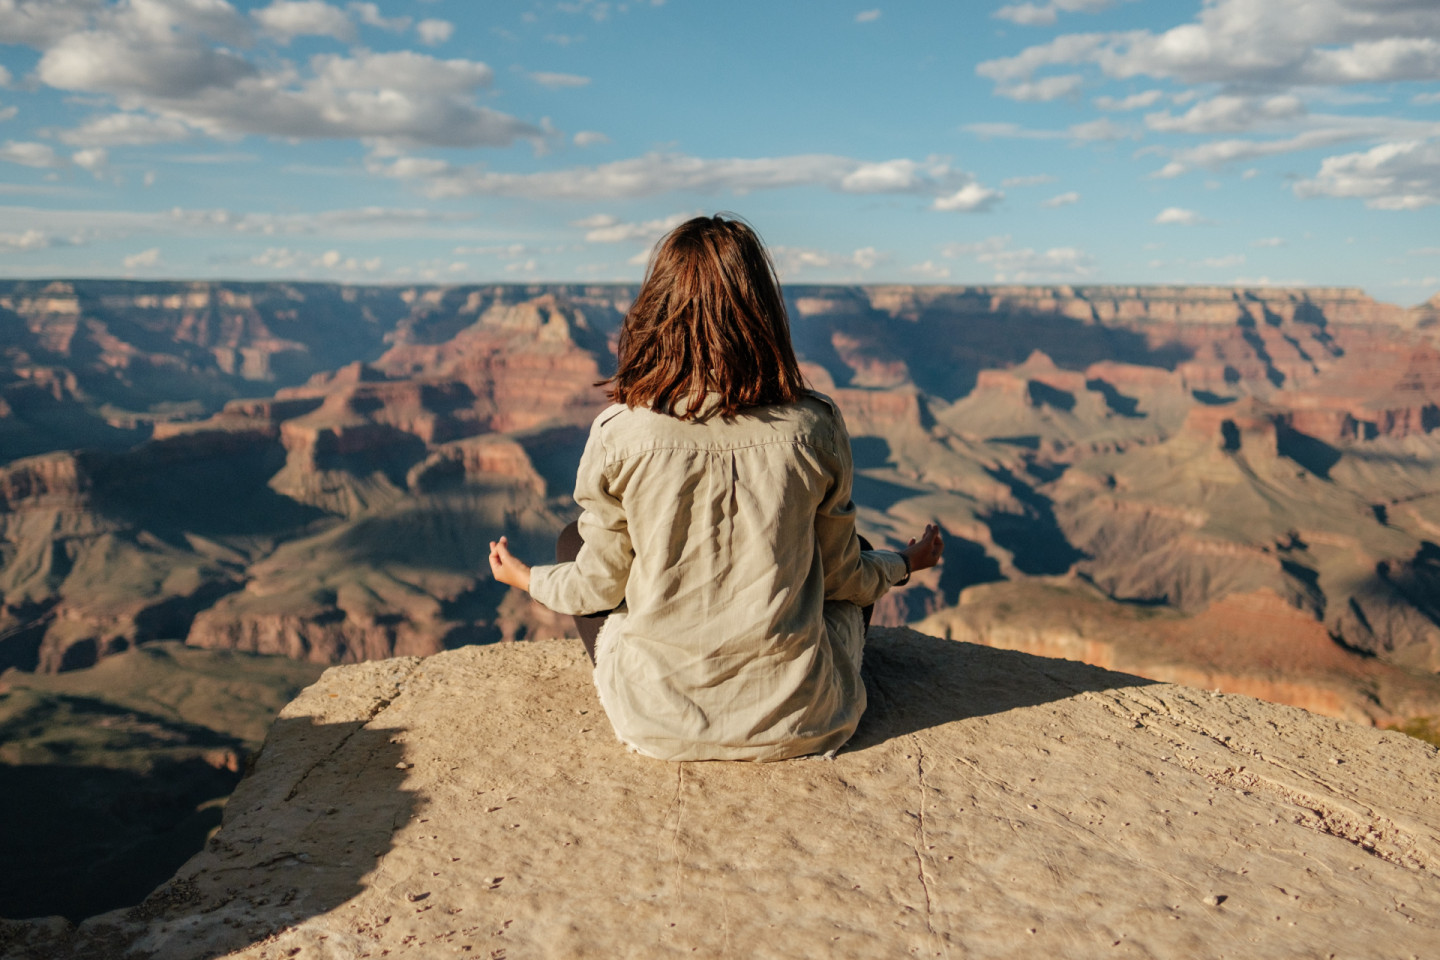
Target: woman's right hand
925, 552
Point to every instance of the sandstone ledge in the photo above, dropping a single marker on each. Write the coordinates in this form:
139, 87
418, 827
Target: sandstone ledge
993, 804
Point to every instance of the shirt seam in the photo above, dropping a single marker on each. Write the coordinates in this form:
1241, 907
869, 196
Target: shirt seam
728, 448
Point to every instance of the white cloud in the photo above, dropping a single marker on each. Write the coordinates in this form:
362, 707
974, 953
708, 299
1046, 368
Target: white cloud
1044, 89
154, 57
73, 227
5, 77
1265, 43
126, 129
1220, 263
1228, 114
1325, 131
287, 19
1028, 181
29, 240
93, 159
145, 258
589, 138
1062, 200
659, 173
39, 23
1179, 215
929, 270
559, 81
433, 32
8, 113
1392, 176
278, 258
30, 154
1268, 242
867, 16
1040, 15
331, 262
370, 15
889, 176
1024, 265
604, 228
971, 198
790, 261
1133, 102
1101, 129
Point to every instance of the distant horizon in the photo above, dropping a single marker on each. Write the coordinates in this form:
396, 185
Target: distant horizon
789, 285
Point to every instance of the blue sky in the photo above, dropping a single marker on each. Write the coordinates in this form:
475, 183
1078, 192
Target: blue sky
1068, 141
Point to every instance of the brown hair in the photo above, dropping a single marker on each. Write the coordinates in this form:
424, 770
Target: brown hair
709, 319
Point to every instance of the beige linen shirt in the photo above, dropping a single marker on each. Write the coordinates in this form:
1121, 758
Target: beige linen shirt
729, 548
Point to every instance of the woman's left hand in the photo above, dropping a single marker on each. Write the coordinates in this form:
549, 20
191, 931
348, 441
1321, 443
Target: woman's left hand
925, 552
505, 567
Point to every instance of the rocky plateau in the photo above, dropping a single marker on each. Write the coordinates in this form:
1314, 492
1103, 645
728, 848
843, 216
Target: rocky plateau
992, 804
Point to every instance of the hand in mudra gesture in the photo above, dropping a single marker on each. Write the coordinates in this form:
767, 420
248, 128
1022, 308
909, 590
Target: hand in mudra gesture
506, 567
925, 552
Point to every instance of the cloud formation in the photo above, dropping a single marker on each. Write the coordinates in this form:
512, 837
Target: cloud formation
659, 173
559, 81
1044, 14
1045, 88
1024, 264
433, 32
177, 66
1392, 176
1272, 44
1178, 215
605, 228
287, 19
791, 261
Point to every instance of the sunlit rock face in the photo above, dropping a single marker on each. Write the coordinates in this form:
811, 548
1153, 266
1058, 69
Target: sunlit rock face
315, 470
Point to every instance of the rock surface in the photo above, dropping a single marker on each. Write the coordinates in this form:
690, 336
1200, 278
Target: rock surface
992, 804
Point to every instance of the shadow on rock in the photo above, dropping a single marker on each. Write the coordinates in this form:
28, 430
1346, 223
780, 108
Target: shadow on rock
321, 824
915, 682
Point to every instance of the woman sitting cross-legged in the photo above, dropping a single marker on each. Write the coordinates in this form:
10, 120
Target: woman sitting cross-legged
717, 530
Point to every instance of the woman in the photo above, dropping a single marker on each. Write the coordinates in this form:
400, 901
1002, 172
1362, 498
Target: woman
717, 525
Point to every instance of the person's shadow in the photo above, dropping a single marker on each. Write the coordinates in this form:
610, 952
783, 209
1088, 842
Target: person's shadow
914, 682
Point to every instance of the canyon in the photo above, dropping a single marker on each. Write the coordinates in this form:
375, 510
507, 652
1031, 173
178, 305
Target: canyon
1238, 488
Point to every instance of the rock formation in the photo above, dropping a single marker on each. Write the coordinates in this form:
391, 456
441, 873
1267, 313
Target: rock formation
992, 804
322, 465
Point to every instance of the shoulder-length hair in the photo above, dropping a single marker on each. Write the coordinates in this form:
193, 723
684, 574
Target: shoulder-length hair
709, 319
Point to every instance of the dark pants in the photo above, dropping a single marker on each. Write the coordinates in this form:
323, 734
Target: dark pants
567, 548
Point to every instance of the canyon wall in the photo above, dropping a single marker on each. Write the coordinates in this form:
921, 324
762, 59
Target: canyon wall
315, 470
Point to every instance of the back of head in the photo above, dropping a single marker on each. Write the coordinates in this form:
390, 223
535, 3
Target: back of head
709, 319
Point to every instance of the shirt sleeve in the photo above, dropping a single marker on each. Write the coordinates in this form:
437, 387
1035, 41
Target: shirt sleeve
595, 580
859, 576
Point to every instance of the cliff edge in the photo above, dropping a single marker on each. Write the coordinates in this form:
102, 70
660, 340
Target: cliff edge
993, 804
